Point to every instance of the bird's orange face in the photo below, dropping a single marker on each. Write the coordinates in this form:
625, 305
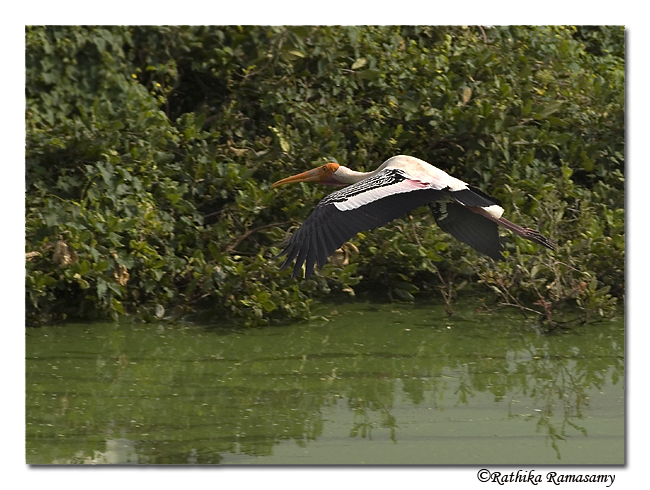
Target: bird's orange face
323, 175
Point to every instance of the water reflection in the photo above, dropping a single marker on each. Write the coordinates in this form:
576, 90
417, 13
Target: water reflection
384, 384
118, 451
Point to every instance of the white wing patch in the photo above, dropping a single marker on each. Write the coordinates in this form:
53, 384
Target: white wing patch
384, 184
495, 210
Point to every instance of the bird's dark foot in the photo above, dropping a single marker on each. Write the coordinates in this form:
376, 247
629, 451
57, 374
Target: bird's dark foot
537, 237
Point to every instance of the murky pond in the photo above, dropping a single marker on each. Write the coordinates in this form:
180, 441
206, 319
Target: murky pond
376, 384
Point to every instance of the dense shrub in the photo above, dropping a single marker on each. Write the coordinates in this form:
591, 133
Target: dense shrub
150, 150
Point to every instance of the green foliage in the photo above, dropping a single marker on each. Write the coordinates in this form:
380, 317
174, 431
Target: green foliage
150, 150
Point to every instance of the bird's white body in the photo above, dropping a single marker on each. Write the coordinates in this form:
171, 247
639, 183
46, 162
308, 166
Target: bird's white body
416, 169
421, 175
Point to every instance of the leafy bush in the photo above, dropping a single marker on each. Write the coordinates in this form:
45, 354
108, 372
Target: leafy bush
150, 151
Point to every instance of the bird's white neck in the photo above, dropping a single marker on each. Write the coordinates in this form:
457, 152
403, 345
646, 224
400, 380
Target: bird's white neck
348, 176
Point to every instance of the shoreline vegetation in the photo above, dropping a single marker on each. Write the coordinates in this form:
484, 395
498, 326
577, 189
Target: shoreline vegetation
150, 152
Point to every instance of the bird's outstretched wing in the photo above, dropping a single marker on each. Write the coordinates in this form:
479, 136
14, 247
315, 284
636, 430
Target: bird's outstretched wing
366, 205
475, 230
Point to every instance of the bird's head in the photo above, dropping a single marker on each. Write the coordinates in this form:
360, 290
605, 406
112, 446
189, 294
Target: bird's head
323, 175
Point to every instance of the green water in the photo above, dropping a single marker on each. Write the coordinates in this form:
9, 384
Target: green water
377, 384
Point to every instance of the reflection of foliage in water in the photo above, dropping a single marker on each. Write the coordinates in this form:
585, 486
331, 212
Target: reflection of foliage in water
186, 395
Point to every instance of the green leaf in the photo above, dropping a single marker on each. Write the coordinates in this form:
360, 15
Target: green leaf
403, 295
359, 63
101, 288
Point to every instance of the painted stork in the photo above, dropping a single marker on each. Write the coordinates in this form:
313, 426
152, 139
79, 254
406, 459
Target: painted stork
401, 184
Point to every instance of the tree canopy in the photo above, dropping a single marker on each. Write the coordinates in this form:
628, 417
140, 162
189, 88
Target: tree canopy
150, 152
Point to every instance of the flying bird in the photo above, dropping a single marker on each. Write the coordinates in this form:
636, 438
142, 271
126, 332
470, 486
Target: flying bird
372, 199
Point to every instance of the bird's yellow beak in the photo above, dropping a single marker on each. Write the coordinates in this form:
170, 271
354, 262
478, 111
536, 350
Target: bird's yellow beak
320, 174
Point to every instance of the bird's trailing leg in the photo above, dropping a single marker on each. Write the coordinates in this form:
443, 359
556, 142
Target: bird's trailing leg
527, 233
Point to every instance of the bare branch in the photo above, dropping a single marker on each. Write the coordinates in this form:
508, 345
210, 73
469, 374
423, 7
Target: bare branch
243, 237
